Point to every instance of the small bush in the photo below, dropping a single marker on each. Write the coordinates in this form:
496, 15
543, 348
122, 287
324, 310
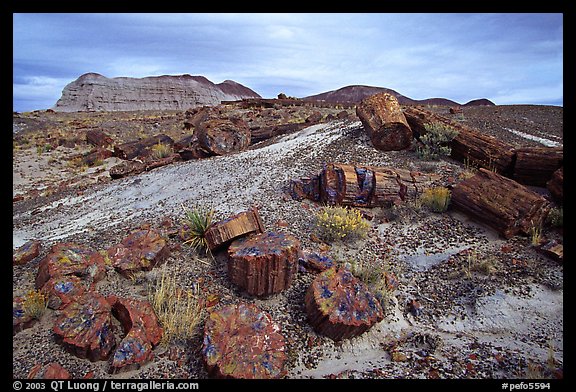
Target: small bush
340, 223
435, 141
161, 150
179, 311
34, 304
436, 199
556, 217
196, 222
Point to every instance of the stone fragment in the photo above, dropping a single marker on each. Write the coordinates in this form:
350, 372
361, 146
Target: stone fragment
127, 168
61, 290
50, 371
68, 258
221, 136
85, 327
27, 252
553, 249
142, 333
223, 232
264, 263
243, 342
142, 250
314, 262
383, 119
340, 306
98, 138
556, 185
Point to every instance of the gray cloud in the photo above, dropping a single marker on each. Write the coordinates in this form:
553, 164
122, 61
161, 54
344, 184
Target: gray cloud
508, 58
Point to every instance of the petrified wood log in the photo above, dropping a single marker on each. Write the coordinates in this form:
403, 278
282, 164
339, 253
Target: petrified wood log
536, 165
221, 136
265, 263
356, 186
140, 148
470, 145
98, 138
501, 203
262, 133
556, 185
127, 168
243, 342
340, 306
243, 223
383, 119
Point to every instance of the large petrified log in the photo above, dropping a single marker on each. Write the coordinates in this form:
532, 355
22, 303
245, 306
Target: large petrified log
340, 306
98, 138
221, 136
243, 342
361, 186
556, 185
470, 145
536, 165
223, 232
264, 263
383, 119
501, 203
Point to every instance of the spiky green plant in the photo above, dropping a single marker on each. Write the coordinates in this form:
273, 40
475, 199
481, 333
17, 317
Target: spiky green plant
196, 222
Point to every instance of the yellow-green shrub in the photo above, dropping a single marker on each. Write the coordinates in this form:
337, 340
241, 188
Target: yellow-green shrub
436, 199
340, 223
34, 304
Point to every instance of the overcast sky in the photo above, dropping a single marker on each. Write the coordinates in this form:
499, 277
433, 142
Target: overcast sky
507, 58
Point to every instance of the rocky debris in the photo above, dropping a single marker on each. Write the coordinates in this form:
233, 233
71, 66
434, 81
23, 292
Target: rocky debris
383, 119
50, 371
470, 145
68, 258
258, 134
556, 185
27, 252
85, 327
314, 118
62, 290
536, 165
264, 263
553, 249
223, 232
20, 320
141, 148
142, 333
95, 155
340, 306
501, 203
339, 184
94, 92
142, 250
127, 168
98, 138
243, 342
156, 163
313, 262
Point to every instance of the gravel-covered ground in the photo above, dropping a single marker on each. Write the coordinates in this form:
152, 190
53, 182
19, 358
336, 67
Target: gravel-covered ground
469, 304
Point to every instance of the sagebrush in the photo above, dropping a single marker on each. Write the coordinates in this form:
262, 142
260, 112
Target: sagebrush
435, 142
340, 223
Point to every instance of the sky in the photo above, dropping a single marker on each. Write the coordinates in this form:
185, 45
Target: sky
508, 58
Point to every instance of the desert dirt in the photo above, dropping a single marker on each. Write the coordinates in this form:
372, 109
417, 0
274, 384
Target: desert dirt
505, 321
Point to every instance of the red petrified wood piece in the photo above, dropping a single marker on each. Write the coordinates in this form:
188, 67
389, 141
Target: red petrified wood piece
243, 342
340, 306
264, 264
223, 232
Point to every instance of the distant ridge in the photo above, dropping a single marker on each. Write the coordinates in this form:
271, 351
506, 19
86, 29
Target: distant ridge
95, 92
356, 93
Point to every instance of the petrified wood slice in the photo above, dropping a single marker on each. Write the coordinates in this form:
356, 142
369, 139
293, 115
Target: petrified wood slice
340, 306
243, 342
501, 203
536, 165
85, 327
265, 263
470, 145
556, 185
222, 232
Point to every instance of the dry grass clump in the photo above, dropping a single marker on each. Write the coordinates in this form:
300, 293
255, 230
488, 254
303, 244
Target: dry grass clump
436, 199
340, 223
34, 304
161, 150
179, 311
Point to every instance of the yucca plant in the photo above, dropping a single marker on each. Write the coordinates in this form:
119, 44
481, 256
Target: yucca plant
196, 222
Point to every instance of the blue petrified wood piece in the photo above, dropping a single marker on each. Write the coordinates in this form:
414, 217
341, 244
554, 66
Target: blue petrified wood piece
265, 263
243, 342
340, 306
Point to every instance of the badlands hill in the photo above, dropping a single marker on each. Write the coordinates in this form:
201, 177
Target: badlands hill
96, 93
356, 93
